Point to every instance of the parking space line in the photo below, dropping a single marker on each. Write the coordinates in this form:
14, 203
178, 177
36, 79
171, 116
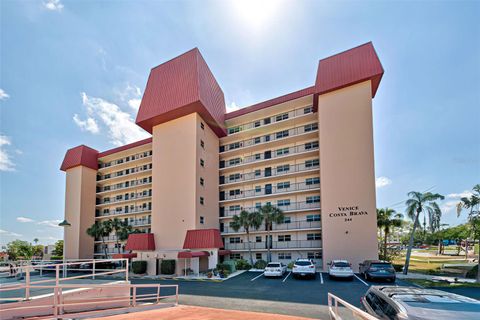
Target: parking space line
288, 275
261, 274
361, 280
321, 278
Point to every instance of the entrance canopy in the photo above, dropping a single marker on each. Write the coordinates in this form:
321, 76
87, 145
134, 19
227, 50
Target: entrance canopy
224, 252
140, 242
189, 254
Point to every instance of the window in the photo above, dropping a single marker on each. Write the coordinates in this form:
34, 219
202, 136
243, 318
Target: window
234, 145
282, 203
202, 144
266, 138
281, 117
234, 192
283, 185
235, 256
202, 220
287, 219
307, 110
258, 189
283, 168
310, 127
257, 124
202, 162
284, 238
258, 156
314, 255
258, 239
234, 208
310, 181
314, 236
234, 240
258, 256
313, 217
234, 177
312, 163
233, 130
311, 145
284, 256
258, 173
106, 211
258, 205
202, 181
313, 199
202, 200
281, 134
257, 140
283, 151
234, 162
202, 126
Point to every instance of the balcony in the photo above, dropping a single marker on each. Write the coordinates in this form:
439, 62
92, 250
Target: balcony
293, 225
269, 155
140, 222
275, 172
125, 173
124, 186
292, 245
267, 191
122, 161
109, 251
292, 207
279, 135
123, 211
139, 196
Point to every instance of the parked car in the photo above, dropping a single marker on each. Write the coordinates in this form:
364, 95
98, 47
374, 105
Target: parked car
376, 269
402, 303
275, 269
340, 269
303, 268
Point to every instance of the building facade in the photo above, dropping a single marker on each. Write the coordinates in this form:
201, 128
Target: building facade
310, 153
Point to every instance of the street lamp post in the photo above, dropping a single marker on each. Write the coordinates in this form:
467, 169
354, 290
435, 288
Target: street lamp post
64, 224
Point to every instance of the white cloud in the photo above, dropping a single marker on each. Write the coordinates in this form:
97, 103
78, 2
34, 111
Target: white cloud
128, 93
464, 194
121, 127
134, 103
232, 107
3, 95
448, 206
381, 182
50, 223
53, 5
89, 125
8, 233
6, 163
24, 219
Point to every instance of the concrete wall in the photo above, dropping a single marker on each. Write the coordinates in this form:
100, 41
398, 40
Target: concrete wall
348, 201
79, 211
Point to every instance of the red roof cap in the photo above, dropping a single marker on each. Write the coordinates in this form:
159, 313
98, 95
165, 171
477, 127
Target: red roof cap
140, 242
180, 87
348, 68
80, 156
203, 239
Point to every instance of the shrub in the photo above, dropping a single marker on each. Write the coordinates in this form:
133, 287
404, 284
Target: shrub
224, 266
139, 266
242, 264
472, 273
290, 265
167, 267
260, 264
56, 258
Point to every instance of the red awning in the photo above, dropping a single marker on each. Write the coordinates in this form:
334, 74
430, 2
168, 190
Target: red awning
189, 254
124, 255
140, 242
224, 252
203, 239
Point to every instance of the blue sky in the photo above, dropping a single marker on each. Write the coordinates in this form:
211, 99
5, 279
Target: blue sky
72, 72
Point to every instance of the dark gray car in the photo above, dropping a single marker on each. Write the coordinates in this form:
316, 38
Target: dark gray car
376, 269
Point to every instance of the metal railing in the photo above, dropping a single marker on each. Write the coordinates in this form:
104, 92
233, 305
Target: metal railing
349, 311
278, 171
131, 184
293, 206
113, 212
131, 171
273, 119
285, 152
113, 200
269, 191
283, 226
293, 244
136, 157
279, 135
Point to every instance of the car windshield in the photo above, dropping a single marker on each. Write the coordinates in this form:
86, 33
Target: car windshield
341, 265
273, 265
303, 263
381, 265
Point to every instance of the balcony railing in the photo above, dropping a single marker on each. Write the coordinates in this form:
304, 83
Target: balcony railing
279, 135
272, 190
138, 156
113, 212
139, 196
131, 184
109, 250
279, 171
140, 222
125, 173
267, 155
294, 244
293, 225
293, 206
274, 119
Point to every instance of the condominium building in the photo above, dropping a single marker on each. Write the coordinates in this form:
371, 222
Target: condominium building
309, 153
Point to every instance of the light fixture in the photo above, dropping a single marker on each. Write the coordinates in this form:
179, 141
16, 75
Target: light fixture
64, 223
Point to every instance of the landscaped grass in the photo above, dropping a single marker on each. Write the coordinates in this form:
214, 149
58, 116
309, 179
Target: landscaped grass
442, 284
430, 265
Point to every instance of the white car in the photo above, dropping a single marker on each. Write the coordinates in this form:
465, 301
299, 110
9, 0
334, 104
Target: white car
340, 269
275, 269
303, 268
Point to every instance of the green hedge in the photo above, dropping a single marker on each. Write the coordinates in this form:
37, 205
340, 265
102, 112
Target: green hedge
260, 264
167, 267
242, 264
224, 266
139, 266
56, 258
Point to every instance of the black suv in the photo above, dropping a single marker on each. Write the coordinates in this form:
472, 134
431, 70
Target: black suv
376, 269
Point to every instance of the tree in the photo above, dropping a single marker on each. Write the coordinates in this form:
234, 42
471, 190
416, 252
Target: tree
387, 219
100, 230
247, 220
19, 249
472, 204
122, 230
271, 215
35, 240
420, 202
58, 249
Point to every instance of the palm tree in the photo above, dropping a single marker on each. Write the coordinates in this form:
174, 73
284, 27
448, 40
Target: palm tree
472, 204
388, 219
270, 214
101, 230
420, 202
107, 229
35, 240
247, 220
118, 227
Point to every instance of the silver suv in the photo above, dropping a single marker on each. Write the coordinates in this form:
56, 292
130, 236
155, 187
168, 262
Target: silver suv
398, 303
